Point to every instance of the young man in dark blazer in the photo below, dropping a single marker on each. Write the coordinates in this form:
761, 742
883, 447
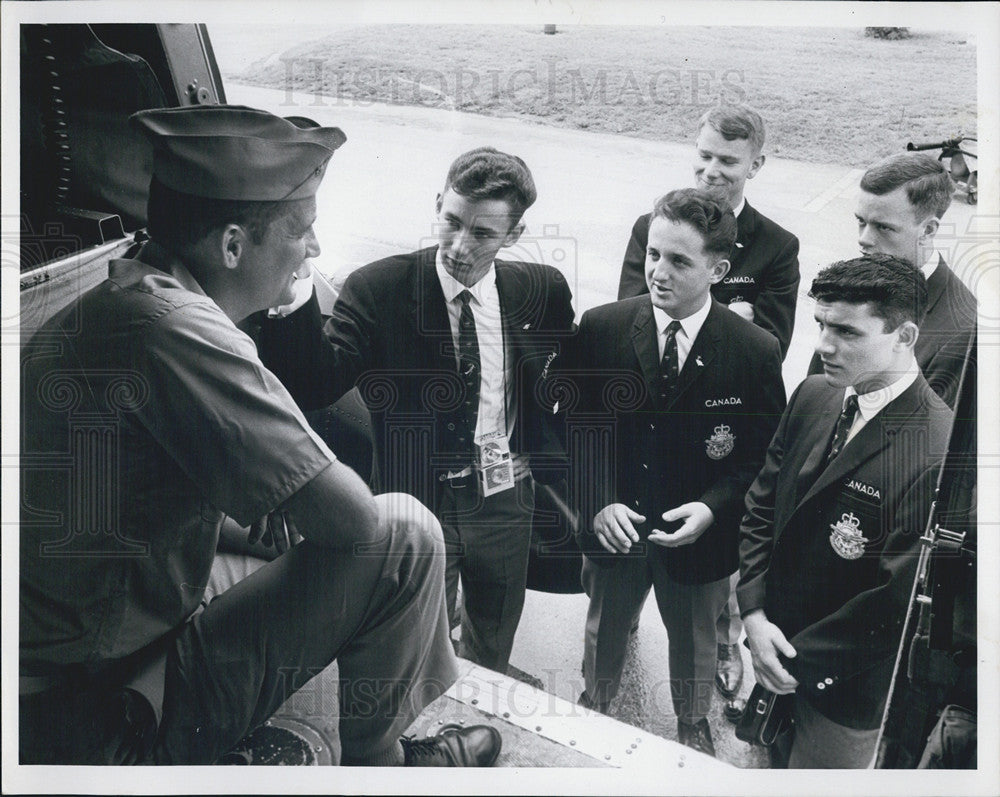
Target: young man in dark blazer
761, 286
902, 200
682, 397
831, 536
443, 382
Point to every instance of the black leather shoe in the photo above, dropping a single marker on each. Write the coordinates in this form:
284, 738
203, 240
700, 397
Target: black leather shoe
733, 709
453, 746
728, 670
594, 705
697, 737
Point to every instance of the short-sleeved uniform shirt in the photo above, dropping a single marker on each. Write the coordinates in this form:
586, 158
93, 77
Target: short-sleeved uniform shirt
146, 415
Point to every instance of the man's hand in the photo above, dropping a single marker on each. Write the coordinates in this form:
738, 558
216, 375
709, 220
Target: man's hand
766, 642
742, 309
614, 527
274, 530
697, 518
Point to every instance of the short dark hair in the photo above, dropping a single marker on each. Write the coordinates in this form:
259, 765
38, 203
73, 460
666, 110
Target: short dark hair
896, 290
928, 184
487, 173
709, 216
736, 121
177, 221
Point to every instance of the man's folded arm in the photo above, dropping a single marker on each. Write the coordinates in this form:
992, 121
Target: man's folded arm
335, 509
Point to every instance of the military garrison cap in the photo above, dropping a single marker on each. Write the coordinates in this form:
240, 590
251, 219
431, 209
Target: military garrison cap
237, 153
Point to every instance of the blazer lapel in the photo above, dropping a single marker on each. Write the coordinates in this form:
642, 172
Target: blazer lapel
646, 347
429, 313
873, 438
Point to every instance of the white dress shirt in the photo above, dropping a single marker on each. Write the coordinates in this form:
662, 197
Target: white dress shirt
690, 327
871, 404
496, 410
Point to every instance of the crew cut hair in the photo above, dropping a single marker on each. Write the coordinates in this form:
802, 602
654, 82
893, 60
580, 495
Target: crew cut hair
487, 173
736, 121
928, 184
712, 218
896, 290
177, 220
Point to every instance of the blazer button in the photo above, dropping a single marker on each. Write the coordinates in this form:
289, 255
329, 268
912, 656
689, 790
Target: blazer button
451, 427
821, 685
829, 681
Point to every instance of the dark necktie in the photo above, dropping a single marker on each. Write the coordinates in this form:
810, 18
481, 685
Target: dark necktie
669, 363
469, 368
844, 424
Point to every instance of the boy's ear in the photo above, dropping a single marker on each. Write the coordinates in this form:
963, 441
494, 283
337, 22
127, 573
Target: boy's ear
718, 271
514, 234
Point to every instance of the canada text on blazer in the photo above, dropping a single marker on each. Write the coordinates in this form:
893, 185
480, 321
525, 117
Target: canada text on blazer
945, 333
389, 334
839, 601
764, 271
706, 445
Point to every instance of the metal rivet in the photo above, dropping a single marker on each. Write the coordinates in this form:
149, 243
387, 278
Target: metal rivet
506, 715
634, 746
680, 763
461, 722
572, 742
538, 727
475, 701
628, 752
440, 722
267, 722
318, 749
607, 758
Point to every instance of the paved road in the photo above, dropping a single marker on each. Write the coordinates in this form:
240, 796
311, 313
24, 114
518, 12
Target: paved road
378, 199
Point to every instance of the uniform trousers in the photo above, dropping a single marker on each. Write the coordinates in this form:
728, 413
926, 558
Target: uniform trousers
266, 628
689, 612
487, 540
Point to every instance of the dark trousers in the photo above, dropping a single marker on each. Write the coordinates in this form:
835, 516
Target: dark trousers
487, 539
379, 611
689, 612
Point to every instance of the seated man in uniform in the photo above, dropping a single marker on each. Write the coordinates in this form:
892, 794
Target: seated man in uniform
690, 394
831, 536
148, 418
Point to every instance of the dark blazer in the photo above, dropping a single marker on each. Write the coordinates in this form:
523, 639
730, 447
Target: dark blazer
842, 615
764, 270
706, 445
390, 336
944, 338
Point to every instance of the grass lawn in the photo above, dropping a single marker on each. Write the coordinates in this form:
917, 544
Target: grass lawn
827, 95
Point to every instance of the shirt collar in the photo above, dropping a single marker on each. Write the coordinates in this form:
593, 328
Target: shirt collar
870, 404
691, 325
930, 266
451, 287
739, 208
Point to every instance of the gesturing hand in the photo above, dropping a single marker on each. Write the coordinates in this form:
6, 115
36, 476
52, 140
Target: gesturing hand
614, 527
697, 518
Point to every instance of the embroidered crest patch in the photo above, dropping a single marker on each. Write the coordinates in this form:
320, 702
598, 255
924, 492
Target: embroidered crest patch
721, 443
847, 539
